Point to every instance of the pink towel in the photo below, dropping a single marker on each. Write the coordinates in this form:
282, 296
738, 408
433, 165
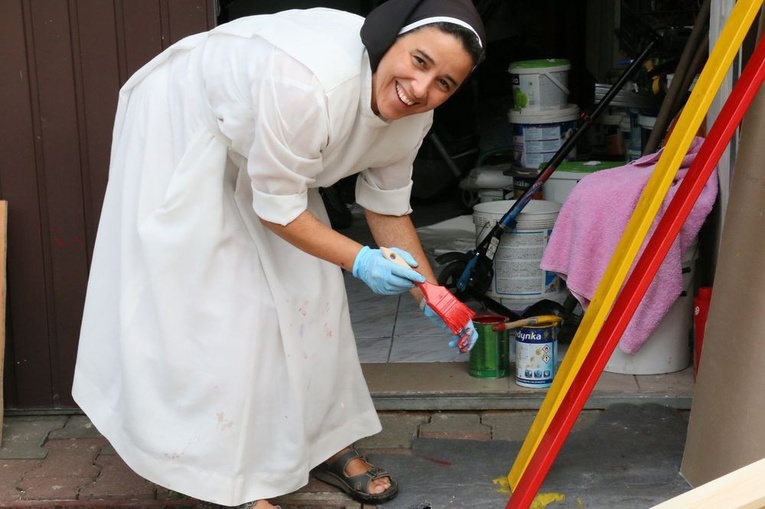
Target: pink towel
591, 222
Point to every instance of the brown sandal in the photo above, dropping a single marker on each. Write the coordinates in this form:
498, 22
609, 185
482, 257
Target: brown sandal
209, 505
357, 486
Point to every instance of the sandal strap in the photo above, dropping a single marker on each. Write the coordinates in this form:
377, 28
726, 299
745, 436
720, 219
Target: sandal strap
337, 466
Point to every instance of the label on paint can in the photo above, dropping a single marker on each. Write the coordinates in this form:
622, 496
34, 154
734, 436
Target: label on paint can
536, 355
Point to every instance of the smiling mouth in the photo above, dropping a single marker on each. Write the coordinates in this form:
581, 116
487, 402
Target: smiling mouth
402, 96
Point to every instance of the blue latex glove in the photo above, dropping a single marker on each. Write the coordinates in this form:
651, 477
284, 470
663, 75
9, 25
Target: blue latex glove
464, 341
384, 276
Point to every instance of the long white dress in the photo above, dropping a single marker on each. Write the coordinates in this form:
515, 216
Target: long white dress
217, 359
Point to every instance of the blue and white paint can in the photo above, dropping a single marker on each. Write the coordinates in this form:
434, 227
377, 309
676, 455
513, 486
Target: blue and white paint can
536, 355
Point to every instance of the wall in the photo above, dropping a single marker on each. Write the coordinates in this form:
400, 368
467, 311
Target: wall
63, 63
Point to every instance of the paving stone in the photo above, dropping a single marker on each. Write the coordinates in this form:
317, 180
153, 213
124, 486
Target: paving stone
77, 426
399, 429
23, 437
465, 426
515, 425
51, 488
11, 472
117, 481
70, 458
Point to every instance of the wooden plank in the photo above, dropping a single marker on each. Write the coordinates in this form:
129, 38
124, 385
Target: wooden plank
3, 245
740, 489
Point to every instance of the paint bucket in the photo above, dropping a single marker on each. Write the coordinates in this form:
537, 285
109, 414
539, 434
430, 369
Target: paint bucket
568, 174
668, 348
523, 179
490, 356
538, 136
536, 355
540, 85
516, 260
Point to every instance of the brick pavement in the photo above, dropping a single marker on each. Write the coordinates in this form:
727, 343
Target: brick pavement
62, 461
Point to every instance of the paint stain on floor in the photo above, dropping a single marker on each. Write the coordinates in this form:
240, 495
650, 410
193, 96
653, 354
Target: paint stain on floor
541, 501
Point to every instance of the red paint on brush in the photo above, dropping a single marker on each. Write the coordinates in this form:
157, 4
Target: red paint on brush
449, 308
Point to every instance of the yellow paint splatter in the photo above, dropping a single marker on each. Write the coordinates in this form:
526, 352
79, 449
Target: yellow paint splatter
542, 500
503, 485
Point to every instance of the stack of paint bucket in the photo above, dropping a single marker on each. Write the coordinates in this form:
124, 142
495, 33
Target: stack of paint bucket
541, 118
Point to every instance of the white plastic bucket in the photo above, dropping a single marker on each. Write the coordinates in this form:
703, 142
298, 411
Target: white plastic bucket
516, 261
537, 137
562, 181
668, 348
540, 85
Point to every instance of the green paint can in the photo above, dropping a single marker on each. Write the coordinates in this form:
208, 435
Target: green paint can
490, 356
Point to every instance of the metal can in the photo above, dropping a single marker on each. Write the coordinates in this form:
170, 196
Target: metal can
536, 355
490, 356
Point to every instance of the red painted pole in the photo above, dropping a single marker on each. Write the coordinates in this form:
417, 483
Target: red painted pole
634, 289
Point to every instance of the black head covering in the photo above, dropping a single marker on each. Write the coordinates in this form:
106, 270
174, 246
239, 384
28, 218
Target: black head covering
383, 25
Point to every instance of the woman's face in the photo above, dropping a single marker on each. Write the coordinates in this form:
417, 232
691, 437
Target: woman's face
420, 71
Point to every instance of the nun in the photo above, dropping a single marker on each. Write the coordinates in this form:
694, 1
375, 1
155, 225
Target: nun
216, 352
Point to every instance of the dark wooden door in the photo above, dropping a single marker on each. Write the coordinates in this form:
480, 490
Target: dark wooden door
62, 64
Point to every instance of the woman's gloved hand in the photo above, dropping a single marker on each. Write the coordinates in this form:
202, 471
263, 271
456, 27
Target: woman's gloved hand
383, 276
464, 341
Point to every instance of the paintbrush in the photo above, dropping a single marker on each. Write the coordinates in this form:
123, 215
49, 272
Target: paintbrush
449, 308
534, 320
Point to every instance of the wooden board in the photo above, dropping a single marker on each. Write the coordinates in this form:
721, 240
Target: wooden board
740, 489
3, 251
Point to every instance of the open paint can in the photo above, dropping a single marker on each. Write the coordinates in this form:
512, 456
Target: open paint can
490, 356
536, 355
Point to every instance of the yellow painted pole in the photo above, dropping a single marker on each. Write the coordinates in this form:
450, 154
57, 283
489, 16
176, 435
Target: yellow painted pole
736, 27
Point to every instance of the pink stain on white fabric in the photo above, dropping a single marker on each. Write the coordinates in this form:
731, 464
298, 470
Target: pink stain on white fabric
590, 225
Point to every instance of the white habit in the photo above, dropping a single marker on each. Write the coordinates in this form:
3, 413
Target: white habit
217, 359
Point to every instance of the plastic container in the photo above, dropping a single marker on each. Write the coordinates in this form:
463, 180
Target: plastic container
516, 261
536, 355
540, 85
569, 173
667, 349
538, 136
523, 178
490, 356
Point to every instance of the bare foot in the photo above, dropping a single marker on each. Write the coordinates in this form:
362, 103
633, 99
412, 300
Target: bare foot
263, 504
358, 466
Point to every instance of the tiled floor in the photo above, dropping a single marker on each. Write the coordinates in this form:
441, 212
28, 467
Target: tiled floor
409, 365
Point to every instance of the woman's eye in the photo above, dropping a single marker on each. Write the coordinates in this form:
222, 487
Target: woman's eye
444, 84
419, 61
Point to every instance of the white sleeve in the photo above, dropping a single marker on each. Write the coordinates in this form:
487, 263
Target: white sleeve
388, 190
290, 132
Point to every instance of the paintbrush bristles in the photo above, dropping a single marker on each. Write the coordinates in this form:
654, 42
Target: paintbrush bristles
449, 308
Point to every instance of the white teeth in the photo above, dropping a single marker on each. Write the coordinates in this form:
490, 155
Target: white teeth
401, 96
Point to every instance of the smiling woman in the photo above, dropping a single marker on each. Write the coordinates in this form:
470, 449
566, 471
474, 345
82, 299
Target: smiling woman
216, 352
421, 70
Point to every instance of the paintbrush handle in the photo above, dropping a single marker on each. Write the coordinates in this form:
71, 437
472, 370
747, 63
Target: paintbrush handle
395, 258
534, 320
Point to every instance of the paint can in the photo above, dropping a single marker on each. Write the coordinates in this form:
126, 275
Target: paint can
490, 356
540, 85
523, 179
517, 274
536, 137
536, 355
